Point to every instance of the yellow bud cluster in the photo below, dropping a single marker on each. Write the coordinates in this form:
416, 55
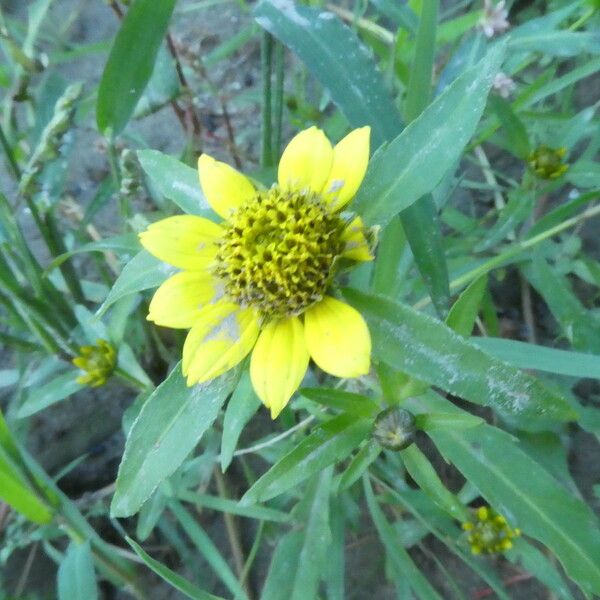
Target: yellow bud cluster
488, 532
97, 362
547, 162
278, 252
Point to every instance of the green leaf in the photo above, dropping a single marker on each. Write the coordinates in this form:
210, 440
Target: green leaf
278, 584
534, 561
15, 491
422, 229
131, 62
329, 442
365, 457
347, 402
141, 273
76, 577
176, 181
541, 358
172, 578
262, 513
398, 556
426, 349
464, 311
525, 493
316, 537
512, 127
127, 243
418, 90
58, 389
421, 470
169, 426
415, 162
336, 57
241, 407
579, 325
558, 43
207, 549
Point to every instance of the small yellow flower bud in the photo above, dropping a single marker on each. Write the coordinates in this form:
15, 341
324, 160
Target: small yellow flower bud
489, 532
97, 362
547, 162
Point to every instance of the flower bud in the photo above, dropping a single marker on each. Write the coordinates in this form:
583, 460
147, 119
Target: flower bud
488, 532
97, 362
395, 428
547, 162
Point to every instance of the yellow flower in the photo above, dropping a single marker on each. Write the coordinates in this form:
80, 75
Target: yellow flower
259, 281
97, 363
488, 532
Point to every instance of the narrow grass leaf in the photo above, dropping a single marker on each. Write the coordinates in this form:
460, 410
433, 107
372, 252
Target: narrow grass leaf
398, 556
172, 578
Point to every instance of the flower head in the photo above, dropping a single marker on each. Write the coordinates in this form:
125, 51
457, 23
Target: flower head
261, 280
494, 19
488, 532
547, 162
97, 362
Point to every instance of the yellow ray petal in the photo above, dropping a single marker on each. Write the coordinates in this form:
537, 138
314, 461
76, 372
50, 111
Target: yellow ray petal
357, 247
184, 241
306, 162
279, 362
337, 338
177, 302
350, 160
224, 187
221, 337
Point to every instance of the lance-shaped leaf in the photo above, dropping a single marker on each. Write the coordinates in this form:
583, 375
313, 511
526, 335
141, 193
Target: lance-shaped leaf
169, 426
414, 162
329, 442
428, 350
131, 62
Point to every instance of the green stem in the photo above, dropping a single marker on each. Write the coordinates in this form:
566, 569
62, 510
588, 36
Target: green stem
266, 51
130, 379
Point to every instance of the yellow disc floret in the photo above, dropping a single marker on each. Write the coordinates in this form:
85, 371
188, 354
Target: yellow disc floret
278, 250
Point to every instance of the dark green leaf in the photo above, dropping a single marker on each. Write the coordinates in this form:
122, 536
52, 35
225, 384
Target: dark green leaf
130, 62
336, 57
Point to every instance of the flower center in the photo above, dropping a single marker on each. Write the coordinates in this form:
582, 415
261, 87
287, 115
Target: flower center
278, 251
